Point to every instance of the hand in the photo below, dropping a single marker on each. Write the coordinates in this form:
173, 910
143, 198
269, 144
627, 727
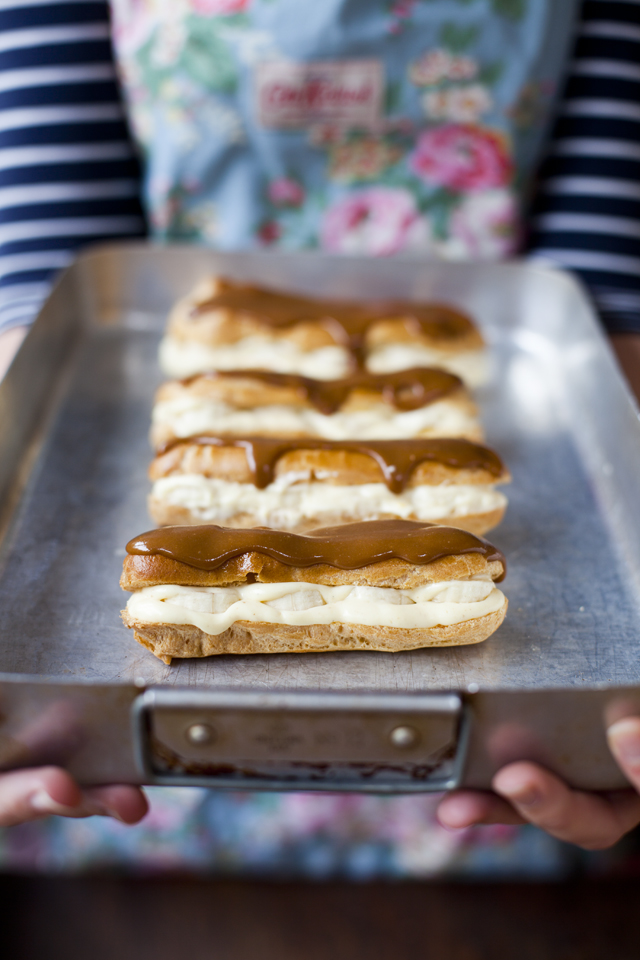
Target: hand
527, 793
33, 794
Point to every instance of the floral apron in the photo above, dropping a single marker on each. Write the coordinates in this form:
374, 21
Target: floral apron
351, 126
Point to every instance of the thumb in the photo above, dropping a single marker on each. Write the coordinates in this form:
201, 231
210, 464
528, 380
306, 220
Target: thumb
624, 743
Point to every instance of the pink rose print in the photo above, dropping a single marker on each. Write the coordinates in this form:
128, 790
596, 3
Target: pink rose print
285, 192
269, 232
462, 157
378, 221
401, 10
220, 8
485, 226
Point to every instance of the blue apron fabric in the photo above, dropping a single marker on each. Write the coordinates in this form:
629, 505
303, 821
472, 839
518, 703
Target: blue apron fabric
351, 126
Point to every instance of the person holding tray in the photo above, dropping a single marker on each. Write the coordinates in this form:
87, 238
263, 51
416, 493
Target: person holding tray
450, 105
527, 793
524, 793
33, 794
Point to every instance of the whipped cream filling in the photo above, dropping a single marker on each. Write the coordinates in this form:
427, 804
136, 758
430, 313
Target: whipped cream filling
291, 499
214, 609
190, 415
184, 358
470, 365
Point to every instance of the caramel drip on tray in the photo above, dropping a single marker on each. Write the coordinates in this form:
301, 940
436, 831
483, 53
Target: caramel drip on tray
348, 322
347, 547
404, 389
396, 458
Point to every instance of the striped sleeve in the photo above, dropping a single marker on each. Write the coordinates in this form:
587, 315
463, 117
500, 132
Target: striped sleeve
587, 213
68, 172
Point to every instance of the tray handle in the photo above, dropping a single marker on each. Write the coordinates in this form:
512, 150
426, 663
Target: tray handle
301, 741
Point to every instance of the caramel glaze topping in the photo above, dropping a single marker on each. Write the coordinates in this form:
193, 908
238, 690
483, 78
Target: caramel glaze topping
347, 547
405, 389
347, 321
396, 458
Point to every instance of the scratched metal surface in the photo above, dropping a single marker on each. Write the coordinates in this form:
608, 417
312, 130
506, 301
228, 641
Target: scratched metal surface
556, 409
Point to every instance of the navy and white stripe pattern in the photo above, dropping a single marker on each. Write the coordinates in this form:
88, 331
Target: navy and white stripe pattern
68, 172
587, 214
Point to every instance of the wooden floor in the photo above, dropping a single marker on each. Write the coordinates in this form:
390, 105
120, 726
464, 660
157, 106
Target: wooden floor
99, 919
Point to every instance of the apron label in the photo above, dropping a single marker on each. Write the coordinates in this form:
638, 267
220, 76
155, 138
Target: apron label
348, 92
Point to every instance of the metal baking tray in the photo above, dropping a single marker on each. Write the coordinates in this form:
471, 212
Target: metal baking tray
76, 689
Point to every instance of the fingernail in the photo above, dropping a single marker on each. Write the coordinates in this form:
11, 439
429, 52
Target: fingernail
624, 740
526, 798
93, 808
43, 803
450, 824
114, 815
523, 796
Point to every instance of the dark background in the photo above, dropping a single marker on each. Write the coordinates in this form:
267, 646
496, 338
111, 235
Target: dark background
104, 919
